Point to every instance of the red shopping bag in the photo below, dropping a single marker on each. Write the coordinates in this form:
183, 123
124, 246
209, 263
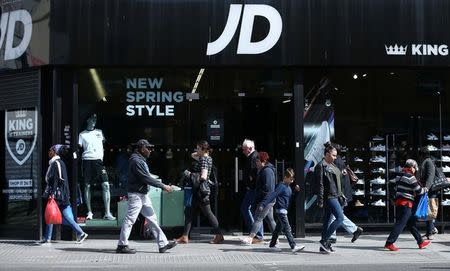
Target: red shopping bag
52, 212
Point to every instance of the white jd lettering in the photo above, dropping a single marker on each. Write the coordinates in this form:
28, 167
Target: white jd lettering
245, 45
23, 17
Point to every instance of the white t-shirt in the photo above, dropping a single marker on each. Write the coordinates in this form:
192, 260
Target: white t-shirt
92, 144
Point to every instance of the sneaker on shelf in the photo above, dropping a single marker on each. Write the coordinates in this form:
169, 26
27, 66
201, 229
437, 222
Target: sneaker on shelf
446, 202
378, 148
297, 248
358, 203
378, 180
275, 249
357, 159
360, 181
379, 203
391, 247
379, 170
358, 171
344, 149
432, 136
447, 137
445, 168
358, 192
378, 192
424, 244
447, 191
82, 237
89, 216
446, 147
377, 138
445, 158
432, 148
109, 216
393, 180
378, 159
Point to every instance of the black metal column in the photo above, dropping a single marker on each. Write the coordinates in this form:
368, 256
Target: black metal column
299, 154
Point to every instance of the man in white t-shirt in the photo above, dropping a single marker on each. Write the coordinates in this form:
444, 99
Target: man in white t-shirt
91, 140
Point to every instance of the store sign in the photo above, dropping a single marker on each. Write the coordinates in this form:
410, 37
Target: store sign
9, 23
245, 45
20, 134
215, 130
144, 97
418, 49
21, 155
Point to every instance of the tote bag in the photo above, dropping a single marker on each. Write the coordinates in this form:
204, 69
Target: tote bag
52, 212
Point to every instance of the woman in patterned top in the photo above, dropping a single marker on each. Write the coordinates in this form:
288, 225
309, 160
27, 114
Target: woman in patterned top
203, 167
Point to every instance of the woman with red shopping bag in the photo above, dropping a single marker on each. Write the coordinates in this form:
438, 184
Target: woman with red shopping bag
57, 189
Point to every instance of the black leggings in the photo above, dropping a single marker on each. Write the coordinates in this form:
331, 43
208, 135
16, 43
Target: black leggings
190, 212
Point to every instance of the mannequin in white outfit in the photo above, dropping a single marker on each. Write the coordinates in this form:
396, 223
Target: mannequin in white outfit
91, 141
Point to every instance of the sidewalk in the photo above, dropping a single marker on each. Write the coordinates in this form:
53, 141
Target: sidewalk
368, 250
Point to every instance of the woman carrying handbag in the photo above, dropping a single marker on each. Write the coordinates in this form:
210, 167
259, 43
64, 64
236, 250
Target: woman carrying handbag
58, 188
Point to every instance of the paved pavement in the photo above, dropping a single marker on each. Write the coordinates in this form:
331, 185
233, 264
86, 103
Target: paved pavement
366, 253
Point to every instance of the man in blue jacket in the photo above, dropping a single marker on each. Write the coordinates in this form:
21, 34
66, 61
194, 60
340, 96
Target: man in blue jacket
139, 178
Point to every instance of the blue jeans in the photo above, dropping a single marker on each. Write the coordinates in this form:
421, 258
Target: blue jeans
405, 218
247, 213
67, 219
266, 213
332, 207
347, 225
282, 226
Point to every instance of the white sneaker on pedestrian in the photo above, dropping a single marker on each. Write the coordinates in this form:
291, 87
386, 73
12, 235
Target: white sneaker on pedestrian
246, 241
297, 248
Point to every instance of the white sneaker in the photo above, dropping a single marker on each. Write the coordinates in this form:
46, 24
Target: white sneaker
89, 215
357, 159
432, 148
358, 192
358, 203
446, 147
297, 248
378, 148
447, 191
445, 169
379, 203
432, 136
275, 249
360, 181
447, 137
358, 171
446, 202
109, 216
246, 241
445, 158
379, 170
377, 138
378, 159
378, 180
378, 192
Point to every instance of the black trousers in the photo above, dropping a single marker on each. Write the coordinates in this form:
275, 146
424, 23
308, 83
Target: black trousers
282, 226
191, 212
405, 218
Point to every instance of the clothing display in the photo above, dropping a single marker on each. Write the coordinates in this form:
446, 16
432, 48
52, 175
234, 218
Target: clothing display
92, 144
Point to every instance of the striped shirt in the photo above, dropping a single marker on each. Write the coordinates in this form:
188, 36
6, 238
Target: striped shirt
407, 187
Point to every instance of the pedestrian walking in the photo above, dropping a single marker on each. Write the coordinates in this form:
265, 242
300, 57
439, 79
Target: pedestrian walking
249, 174
329, 190
407, 187
139, 178
57, 186
427, 173
282, 195
201, 194
265, 184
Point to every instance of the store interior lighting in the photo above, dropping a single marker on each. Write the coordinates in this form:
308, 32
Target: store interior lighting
99, 88
287, 101
355, 76
197, 81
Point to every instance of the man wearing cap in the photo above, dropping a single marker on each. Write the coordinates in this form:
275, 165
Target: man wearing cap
407, 187
139, 178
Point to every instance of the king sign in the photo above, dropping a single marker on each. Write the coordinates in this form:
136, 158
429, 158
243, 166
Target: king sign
8, 23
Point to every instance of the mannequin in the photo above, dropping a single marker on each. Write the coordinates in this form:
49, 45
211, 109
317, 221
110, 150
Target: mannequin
91, 140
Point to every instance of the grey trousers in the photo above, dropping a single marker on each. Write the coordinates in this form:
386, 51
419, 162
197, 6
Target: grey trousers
140, 203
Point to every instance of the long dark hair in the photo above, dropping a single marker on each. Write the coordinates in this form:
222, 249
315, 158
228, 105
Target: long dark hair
328, 147
204, 146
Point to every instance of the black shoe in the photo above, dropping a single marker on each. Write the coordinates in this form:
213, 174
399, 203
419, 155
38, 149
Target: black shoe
170, 245
332, 241
325, 246
356, 234
125, 250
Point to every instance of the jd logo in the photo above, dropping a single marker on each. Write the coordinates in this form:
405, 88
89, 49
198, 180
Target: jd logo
245, 45
21, 134
8, 25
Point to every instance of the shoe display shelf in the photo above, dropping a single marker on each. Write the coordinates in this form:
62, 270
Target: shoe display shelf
357, 161
376, 184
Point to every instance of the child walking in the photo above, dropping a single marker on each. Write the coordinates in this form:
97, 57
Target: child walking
282, 194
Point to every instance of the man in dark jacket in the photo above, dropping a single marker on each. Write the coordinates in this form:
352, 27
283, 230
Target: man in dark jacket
139, 178
427, 173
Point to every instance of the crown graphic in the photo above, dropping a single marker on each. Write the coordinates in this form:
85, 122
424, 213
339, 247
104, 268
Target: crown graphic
396, 50
21, 113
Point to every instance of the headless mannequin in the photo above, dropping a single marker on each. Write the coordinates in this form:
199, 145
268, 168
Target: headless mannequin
91, 140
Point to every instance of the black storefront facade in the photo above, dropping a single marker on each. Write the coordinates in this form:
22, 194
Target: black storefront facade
371, 75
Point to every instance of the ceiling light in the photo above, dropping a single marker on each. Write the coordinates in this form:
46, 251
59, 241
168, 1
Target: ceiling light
197, 81
355, 76
287, 101
364, 75
392, 73
101, 92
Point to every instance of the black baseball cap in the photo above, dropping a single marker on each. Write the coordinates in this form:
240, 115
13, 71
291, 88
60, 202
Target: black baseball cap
143, 143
